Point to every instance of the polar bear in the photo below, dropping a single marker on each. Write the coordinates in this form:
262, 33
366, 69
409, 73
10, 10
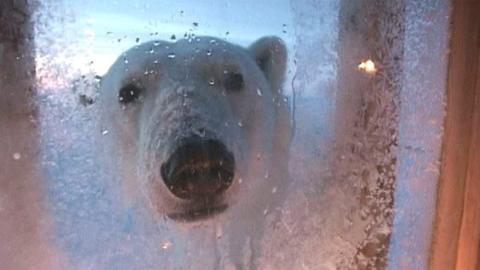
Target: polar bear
198, 127
198, 132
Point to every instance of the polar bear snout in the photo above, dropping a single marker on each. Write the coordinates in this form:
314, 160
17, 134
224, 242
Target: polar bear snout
199, 168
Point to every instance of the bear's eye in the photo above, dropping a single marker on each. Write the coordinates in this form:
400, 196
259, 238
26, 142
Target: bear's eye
129, 93
233, 81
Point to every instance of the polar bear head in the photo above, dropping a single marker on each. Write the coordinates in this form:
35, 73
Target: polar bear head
198, 126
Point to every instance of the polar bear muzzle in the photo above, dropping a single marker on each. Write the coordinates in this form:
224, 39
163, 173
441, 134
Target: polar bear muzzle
199, 168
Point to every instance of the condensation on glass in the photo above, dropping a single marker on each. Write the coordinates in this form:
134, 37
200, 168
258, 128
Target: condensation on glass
330, 163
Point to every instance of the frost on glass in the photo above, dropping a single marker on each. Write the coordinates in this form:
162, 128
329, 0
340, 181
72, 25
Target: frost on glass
420, 130
24, 220
326, 200
341, 215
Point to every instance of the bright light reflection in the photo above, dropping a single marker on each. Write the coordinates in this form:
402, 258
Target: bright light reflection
368, 66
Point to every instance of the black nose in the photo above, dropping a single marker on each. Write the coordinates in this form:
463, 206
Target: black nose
199, 168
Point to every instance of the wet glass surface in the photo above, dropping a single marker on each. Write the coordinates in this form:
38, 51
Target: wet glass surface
238, 134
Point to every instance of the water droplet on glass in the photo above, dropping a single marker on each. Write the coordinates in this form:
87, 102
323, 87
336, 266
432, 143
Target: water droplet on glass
240, 180
125, 60
209, 52
137, 40
156, 43
171, 55
104, 132
259, 92
211, 82
195, 24
219, 234
267, 175
240, 124
166, 244
274, 190
173, 37
201, 132
17, 156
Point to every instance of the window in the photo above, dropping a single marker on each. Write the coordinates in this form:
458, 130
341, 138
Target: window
224, 135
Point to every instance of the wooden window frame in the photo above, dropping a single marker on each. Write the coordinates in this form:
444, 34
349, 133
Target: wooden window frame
456, 233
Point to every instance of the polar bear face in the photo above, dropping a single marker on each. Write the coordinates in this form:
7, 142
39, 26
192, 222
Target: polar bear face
199, 126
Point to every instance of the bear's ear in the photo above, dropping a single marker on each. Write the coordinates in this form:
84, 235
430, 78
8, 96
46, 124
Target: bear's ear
270, 54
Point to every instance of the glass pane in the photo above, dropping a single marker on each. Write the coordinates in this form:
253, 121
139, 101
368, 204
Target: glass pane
234, 134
